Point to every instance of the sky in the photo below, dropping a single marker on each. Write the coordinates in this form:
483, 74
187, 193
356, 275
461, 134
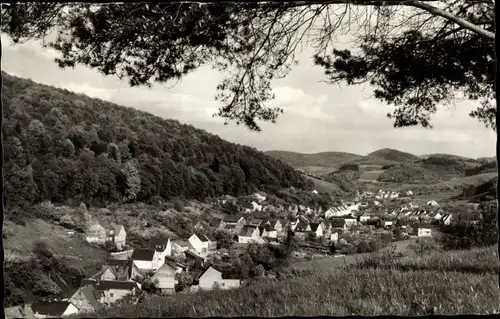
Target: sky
317, 117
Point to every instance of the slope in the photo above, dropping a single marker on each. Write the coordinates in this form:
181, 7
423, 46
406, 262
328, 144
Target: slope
390, 154
68, 148
317, 163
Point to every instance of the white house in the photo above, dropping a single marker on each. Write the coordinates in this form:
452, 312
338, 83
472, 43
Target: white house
212, 278
446, 219
318, 229
338, 211
409, 193
350, 220
256, 207
267, 231
114, 290
387, 223
202, 244
423, 230
432, 203
164, 279
162, 245
364, 218
249, 234
53, 309
147, 259
334, 236
260, 198
180, 246
315, 192
294, 223
118, 235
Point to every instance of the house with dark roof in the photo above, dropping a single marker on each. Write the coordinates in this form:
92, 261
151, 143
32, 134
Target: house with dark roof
147, 259
121, 268
255, 222
317, 229
235, 221
86, 299
249, 234
338, 224
162, 245
276, 224
114, 290
302, 226
193, 261
267, 231
179, 267
349, 220
217, 223
203, 244
53, 309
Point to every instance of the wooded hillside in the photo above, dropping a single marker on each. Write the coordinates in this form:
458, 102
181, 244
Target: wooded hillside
67, 147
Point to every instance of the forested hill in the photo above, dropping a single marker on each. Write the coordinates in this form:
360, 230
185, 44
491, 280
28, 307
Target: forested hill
67, 147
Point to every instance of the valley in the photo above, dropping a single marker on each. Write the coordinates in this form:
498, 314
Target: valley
106, 199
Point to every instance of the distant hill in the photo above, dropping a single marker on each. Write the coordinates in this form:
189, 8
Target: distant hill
68, 148
408, 173
390, 154
449, 165
483, 192
323, 159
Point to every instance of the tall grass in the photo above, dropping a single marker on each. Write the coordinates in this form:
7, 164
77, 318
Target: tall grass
454, 282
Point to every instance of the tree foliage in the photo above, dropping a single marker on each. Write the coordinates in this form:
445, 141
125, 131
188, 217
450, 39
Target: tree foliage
114, 154
415, 54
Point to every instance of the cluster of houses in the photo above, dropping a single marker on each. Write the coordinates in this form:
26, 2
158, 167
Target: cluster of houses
125, 273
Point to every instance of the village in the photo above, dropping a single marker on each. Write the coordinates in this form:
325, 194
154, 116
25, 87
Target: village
334, 232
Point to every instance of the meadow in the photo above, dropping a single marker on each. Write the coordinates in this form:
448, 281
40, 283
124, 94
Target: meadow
424, 281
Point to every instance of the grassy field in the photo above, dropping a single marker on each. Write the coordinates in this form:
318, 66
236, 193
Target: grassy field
324, 187
319, 170
20, 240
446, 283
470, 180
370, 175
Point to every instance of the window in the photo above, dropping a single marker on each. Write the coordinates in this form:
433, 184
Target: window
111, 295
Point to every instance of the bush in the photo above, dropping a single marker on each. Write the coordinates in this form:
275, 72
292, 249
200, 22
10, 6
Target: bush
466, 234
423, 246
386, 238
375, 245
363, 247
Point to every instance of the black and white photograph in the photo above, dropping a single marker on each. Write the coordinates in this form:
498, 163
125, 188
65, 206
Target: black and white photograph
249, 158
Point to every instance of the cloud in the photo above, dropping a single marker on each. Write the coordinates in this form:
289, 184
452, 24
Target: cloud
317, 116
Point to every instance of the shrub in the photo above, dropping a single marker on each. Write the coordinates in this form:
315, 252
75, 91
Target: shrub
386, 238
466, 234
363, 247
375, 245
423, 246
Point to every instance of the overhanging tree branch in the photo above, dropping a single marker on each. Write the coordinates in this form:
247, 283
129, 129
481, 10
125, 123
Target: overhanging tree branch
410, 3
